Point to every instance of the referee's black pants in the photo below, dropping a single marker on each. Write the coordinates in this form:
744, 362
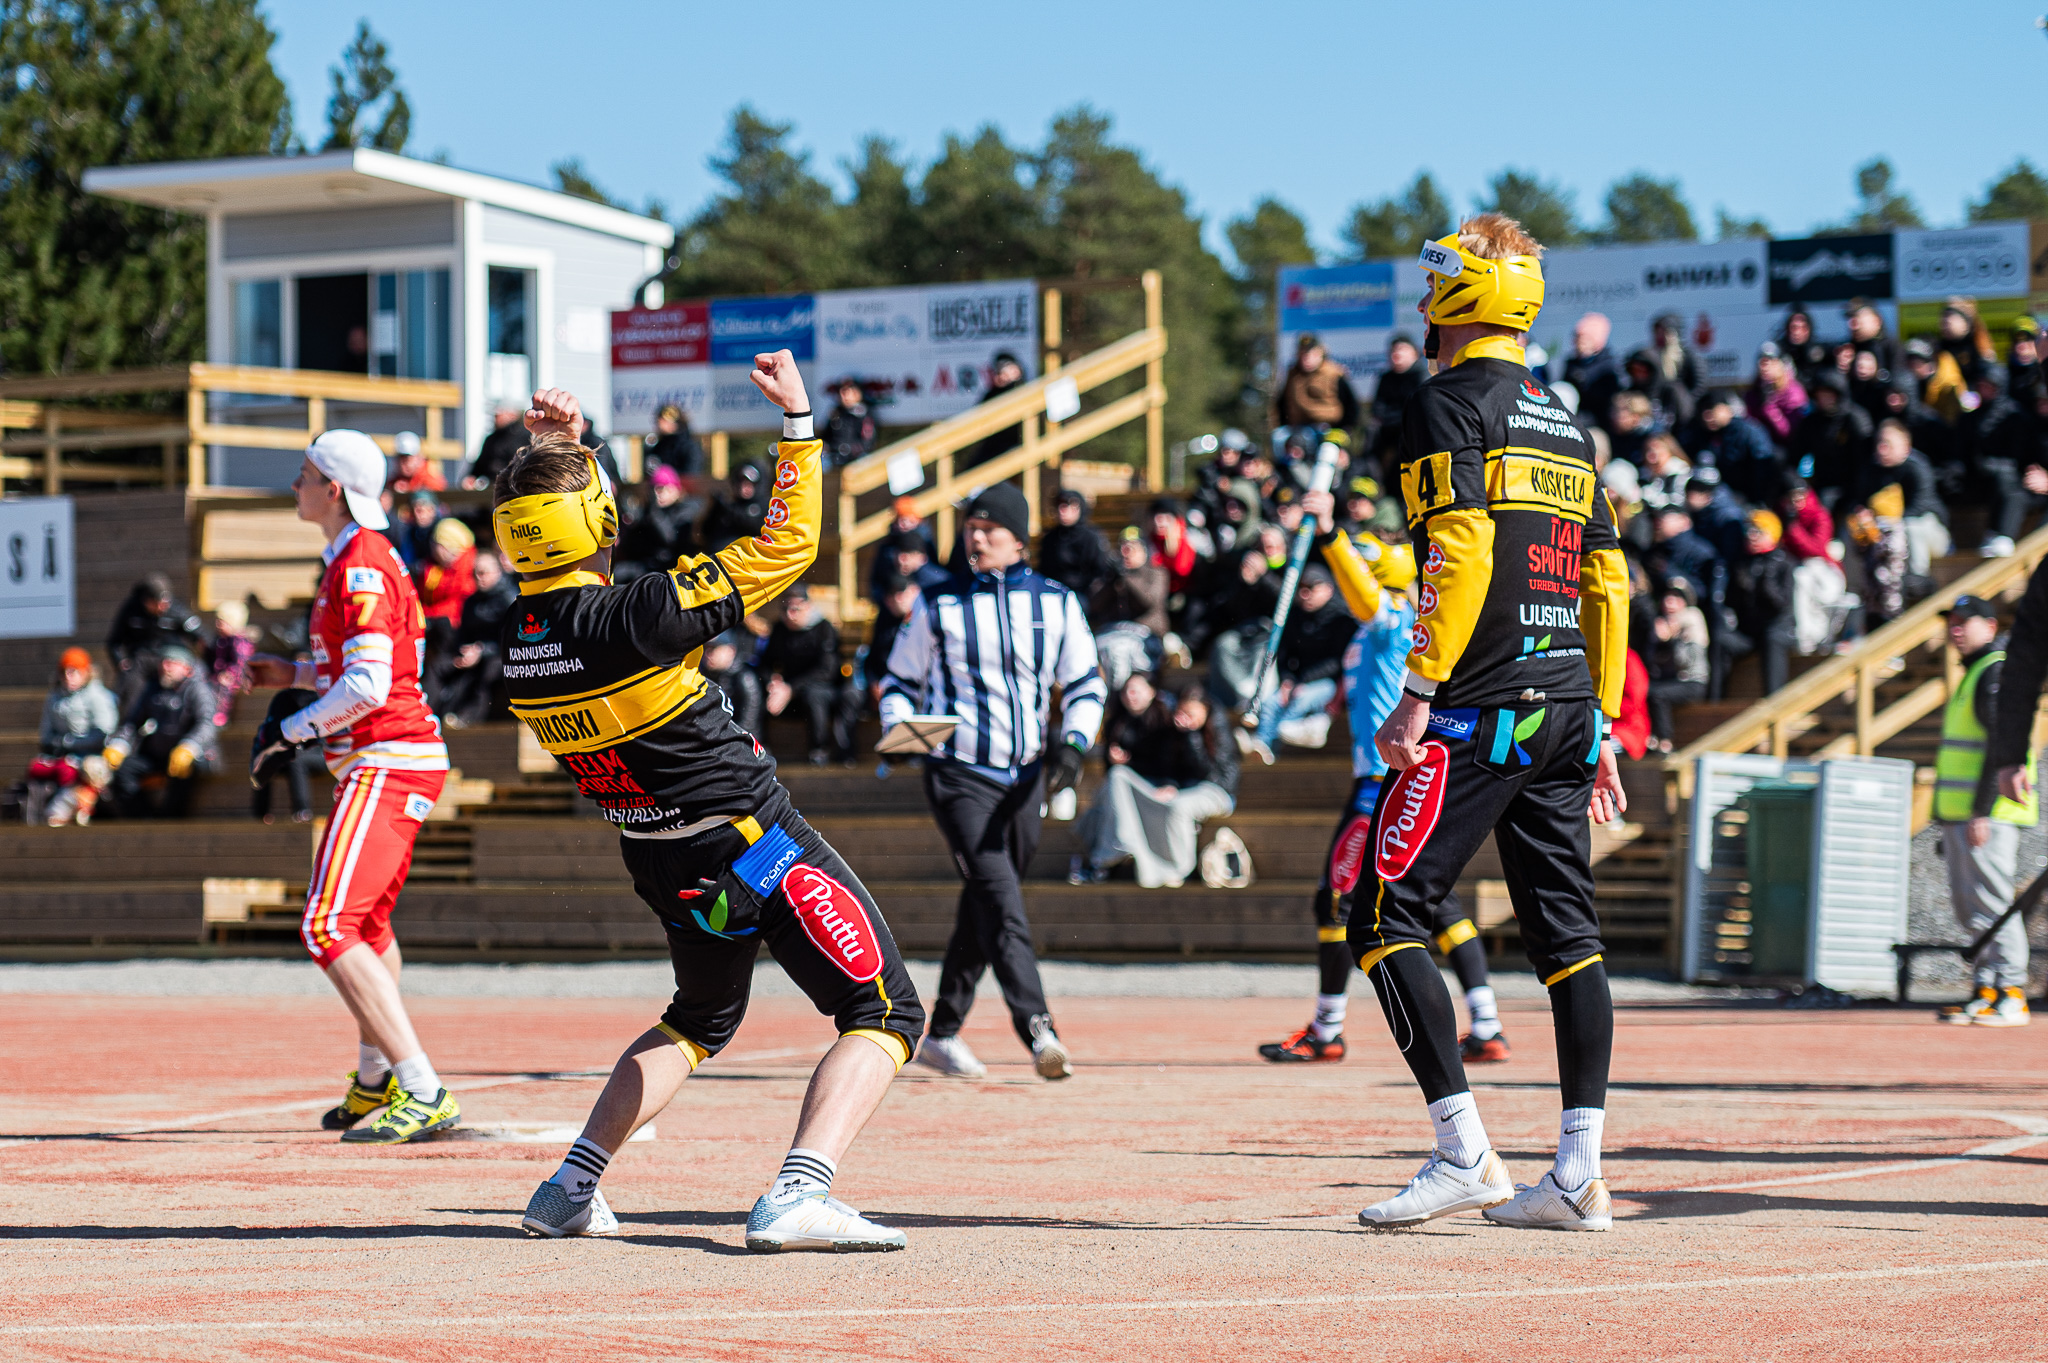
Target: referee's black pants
993, 831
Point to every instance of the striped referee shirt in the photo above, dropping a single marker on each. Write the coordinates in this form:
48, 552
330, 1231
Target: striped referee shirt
989, 648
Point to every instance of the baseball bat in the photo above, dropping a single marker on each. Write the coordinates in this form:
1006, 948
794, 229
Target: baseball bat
1319, 480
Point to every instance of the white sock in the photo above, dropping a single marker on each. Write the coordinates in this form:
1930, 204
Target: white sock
371, 1066
1460, 1135
803, 1172
1329, 1016
416, 1076
581, 1168
1578, 1146
1484, 1013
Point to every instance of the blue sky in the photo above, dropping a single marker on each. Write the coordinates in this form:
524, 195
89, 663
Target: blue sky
1761, 108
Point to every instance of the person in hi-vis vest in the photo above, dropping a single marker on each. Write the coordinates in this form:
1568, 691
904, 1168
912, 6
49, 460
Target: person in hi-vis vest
1980, 828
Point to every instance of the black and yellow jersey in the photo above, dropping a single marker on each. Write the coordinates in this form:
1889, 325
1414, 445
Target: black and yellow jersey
607, 676
1523, 586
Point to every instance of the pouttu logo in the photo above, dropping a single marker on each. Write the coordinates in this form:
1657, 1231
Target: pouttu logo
1409, 811
1347, 858
532, 631
834, 921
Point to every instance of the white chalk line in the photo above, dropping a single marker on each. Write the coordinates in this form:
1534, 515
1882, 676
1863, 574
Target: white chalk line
2036, 1128
309, 1104
1065, 1308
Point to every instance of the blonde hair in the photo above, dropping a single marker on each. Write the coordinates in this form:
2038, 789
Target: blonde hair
1496, 236
556, 462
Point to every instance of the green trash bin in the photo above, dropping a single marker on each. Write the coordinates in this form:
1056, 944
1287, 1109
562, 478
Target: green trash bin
1779, 851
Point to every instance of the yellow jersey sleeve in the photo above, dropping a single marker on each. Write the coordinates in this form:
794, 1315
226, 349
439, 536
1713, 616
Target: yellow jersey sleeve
762, 566
1360, 589
1603, 606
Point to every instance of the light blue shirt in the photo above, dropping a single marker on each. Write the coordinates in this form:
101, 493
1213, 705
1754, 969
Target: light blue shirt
1375, 662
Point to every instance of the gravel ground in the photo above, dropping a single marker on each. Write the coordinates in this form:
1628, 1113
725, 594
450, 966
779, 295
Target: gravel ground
645, 979
1930, 919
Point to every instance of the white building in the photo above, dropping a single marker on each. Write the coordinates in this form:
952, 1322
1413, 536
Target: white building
369, 263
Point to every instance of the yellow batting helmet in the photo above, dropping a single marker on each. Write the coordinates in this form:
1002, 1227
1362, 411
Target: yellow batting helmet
1464, 288
1392, 565
548, 529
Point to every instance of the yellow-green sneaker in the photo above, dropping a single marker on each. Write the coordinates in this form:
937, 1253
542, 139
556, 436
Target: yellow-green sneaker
360, 1102
407, 1119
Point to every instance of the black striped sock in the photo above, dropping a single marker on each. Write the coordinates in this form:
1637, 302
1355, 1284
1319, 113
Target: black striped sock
803, 1172
581, 1168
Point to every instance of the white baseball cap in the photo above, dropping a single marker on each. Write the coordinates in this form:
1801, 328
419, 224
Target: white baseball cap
406, 442
353, 460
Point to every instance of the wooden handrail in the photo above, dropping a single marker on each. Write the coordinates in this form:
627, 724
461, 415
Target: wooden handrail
1022, 407
1860, 670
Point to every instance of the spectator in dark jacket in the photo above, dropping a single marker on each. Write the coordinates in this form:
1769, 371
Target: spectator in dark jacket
1867, 334
672, 446
664, 531
468, 689
1316, 394
1717, 515
1679, 551
2002, 438
728, 662
507, 438
1310, 662
801, 663
1897, 518
1737, 446
1671, 406
736, 514
1005, 372
851, 431
898, 597
1072, 552
1234, 589
1805, 355
1592, 369
168, 732
1676, 360
1403, 375
1168, 769
149, 621
1760, 593
1833, 440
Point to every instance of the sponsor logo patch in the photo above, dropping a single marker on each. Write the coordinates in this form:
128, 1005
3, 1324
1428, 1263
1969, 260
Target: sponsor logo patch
714, 922
532, 630
1409, 812
778, 515
1434, 564
1420, 639
1454, 723
762, 865
1533, 393
835, 921
418, 807
365, 580
1425, 600
785, 475
1347, 858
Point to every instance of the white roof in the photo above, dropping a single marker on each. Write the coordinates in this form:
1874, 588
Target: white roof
359, 178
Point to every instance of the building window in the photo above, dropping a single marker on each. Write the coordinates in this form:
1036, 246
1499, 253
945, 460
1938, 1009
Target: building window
259, 322
409, 325
508, 360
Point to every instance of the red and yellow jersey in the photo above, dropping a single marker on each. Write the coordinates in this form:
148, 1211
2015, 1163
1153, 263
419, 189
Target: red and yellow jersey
367, 612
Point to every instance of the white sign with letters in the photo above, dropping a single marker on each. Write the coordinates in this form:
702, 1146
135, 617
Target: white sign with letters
38, 577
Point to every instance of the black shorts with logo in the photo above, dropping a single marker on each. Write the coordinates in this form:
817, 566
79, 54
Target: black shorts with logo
722, 894
1522, 771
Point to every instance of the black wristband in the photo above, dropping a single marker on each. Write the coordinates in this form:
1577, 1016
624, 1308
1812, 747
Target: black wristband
794, 415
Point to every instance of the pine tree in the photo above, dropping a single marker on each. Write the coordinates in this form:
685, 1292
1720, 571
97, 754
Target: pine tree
1881, 206
982, 212
2020, 193
572, 178
1544, 210
1727, 226
775, 229
89, 283
1398, 224
1641, 208
1271, 236
363, 79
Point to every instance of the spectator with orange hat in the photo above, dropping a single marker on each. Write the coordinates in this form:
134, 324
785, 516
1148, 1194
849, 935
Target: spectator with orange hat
65, 779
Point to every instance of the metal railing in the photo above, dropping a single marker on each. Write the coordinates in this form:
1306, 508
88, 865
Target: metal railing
933, 449
32, 405
1773, 722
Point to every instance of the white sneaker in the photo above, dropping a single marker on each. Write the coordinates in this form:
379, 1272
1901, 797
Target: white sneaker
2009, 1011
1254, 746
550, 1212
1998, 546
1441, 1188
818, 1221
1980, 1006
1311, 731
949, 1055
1549, 1207
1049, 1054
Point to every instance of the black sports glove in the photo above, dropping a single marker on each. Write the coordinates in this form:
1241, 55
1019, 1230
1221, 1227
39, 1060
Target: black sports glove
272, 752
1062, 769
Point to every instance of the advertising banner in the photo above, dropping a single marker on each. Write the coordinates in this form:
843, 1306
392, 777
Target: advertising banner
660, 356
38, 576
1989, 260
742, 328
1831, 269
925, 352
1715, 289
1351, 310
